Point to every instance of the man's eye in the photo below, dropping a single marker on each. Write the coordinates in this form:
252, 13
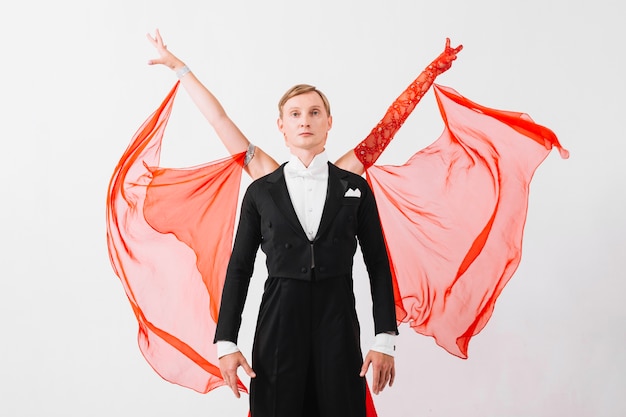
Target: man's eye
315, 112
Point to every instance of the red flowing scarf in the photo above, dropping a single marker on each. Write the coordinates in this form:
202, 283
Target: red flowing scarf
453, 219
453, 216
169, 237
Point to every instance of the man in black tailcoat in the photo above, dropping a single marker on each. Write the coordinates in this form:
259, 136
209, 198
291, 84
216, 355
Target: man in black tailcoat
307, 217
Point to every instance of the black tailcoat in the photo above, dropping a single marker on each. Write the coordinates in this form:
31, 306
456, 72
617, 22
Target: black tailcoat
309, 288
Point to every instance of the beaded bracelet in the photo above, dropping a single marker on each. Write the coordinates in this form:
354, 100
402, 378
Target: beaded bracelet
249, 154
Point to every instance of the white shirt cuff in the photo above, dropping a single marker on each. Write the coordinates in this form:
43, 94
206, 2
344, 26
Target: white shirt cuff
225, 347
385, 343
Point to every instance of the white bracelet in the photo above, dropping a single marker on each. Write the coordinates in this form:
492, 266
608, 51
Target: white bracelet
181, 72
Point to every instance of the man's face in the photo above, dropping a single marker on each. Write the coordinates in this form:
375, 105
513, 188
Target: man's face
305, 123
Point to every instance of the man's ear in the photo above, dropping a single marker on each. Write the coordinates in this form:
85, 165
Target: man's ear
279, 123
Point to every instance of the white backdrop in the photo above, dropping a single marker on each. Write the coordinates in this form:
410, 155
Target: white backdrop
76, 87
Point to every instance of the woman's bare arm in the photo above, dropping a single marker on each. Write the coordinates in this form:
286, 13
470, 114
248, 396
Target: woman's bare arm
230, 135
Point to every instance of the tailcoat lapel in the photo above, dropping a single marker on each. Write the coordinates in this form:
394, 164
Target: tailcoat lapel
337, 186
279, 193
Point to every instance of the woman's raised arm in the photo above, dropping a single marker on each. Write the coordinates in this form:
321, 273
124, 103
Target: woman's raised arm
364, 155
230, 135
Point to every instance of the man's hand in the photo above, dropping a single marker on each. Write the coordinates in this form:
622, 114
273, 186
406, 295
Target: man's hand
383, 369
229, 365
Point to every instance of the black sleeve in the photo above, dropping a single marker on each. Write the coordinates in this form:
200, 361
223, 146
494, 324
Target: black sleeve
240, 269
376, 259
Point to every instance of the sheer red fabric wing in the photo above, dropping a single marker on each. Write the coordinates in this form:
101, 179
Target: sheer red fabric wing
453, 216
169, 235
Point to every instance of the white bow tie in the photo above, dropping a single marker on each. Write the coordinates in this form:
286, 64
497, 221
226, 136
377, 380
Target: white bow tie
312, 172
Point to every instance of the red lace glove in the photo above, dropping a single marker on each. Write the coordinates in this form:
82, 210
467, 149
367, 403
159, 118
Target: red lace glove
375, 143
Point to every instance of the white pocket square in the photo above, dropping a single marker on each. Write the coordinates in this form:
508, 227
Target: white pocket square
353, 193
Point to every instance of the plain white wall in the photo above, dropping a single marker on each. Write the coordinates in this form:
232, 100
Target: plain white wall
76, 87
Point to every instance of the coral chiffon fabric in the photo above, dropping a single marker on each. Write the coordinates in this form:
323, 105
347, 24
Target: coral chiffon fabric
169, 237
453, 219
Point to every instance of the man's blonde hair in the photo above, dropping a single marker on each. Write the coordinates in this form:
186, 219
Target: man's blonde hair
298, 89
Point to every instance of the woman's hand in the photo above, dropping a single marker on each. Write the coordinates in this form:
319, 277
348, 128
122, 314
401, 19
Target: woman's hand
165, 56
444, 61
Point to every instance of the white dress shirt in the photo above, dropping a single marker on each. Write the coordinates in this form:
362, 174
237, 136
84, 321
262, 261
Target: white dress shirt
307, 188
